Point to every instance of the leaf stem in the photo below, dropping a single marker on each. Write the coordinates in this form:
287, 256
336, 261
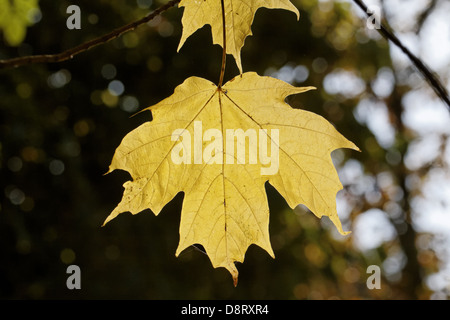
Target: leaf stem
224, 46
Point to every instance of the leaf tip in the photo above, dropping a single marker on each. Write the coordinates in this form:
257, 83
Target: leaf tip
180, 45
106, 221
234, 273
235, 281
341, 231
352, 146
140, 111
113, 214
269, 250
109, 171
304, 89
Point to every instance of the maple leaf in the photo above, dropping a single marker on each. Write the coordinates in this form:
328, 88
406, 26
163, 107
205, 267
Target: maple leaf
213, 144
239, 16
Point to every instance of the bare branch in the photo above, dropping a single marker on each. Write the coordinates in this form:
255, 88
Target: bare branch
430, 76
424, 15
70, 53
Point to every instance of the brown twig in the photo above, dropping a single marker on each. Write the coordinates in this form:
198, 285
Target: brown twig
430, 76
424, 15
70, 53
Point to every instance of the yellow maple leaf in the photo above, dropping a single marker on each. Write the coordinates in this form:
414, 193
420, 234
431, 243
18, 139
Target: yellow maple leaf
220, 146
239, 16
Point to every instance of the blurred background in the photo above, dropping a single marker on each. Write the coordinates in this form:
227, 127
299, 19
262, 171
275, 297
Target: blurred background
61, 123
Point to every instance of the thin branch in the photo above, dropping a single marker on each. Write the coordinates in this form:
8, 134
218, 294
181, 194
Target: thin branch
70, 53
424, 15
430, 76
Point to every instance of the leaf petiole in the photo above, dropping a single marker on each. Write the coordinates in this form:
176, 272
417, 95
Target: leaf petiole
224, 46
